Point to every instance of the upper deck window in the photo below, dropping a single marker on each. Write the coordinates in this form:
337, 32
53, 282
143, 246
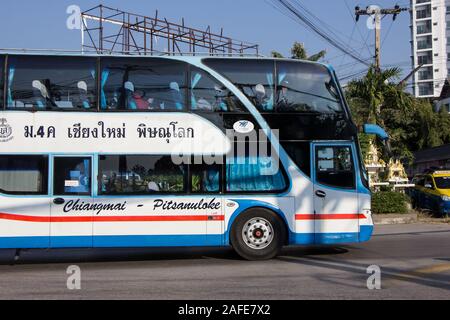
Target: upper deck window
207, 94
297, 87
51, 83
306, 87
142, 84
255, 78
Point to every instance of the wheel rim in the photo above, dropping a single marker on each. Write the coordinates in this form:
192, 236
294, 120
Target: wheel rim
257, 233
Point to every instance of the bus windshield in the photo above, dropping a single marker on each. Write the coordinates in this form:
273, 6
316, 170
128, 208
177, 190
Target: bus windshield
282, 86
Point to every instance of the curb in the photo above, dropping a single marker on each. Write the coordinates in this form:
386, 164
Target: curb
381, 219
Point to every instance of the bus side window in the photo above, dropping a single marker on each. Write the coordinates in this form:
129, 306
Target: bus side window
24, 175
140, 174
300, 154
72, 176
205, 178
55, 83
334, 166
208, 94
255, 79
142, 84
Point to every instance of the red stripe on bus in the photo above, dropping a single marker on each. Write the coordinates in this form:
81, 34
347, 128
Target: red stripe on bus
16, 217
330, 216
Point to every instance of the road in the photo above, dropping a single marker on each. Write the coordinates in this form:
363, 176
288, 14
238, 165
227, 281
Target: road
414, 261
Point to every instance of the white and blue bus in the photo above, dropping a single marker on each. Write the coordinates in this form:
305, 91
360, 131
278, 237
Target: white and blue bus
116, 151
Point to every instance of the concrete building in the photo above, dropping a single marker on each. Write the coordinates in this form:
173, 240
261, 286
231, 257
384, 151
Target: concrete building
430, 46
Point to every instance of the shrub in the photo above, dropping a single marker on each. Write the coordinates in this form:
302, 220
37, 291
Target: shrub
389, 202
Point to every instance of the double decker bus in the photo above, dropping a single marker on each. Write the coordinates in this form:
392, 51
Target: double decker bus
141, 151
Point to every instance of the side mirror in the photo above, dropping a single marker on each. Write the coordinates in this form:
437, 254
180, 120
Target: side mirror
428, 186
376, 130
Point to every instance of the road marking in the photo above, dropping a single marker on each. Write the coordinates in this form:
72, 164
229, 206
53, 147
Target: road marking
439, 268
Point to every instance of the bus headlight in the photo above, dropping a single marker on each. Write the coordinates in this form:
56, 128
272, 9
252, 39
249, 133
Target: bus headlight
445, 198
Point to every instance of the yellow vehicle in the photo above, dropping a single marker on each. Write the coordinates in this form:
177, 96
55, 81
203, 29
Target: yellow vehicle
432, 192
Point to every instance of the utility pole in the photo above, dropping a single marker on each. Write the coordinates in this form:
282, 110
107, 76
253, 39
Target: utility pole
376, 12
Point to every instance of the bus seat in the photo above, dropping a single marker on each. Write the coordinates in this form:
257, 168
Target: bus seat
40, 93
82, 89
129, 100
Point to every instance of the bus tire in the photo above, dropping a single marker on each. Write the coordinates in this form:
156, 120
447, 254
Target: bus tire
257, 234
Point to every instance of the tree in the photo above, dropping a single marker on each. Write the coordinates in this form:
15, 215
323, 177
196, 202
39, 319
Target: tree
411, 123
299, 52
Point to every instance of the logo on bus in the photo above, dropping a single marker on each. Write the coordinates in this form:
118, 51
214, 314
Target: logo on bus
243, 126
5, 131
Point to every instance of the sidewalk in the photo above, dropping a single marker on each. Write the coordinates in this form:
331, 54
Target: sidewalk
412, 217
393, 218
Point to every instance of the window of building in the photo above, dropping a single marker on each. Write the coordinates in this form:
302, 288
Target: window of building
208, 94
140, 175
143, 84
24, 175
334, 166
255, 78
72, 176
304, 87
51, 83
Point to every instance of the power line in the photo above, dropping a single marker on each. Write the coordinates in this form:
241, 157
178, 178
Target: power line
316, 29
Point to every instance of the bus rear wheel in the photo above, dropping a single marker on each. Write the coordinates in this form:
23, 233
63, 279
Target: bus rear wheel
257, 234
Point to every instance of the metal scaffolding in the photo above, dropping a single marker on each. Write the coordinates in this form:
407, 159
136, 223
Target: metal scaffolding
108, 30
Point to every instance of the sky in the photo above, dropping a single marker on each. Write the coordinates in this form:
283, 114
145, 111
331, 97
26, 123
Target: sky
41, 24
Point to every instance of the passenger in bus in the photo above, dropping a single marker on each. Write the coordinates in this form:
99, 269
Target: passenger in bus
40, 94
283, 103
261, 99
176, 96
83, 93
221, 96
141, 103
130, 103
211, 180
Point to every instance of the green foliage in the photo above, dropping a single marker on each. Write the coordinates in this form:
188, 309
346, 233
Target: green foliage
276, 54
389, 202
298, 51
411, 123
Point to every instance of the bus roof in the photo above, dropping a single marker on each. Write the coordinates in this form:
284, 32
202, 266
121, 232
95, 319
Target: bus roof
186, 57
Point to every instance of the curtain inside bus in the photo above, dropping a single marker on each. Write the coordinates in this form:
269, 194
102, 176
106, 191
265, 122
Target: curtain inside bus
254, 174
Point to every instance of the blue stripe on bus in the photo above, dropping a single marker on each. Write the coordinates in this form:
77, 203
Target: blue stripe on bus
111, 241
332, 238
169, 240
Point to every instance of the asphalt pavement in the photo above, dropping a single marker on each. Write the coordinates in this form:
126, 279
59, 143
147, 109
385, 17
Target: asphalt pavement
414, 260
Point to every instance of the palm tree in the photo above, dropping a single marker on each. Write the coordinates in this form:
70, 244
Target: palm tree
299, 52
375, 91
377, 98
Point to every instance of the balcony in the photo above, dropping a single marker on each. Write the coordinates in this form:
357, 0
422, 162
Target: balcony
423, 13
424, 60
424, 45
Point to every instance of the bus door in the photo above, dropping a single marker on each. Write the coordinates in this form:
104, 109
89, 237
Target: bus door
71, 208
335, 193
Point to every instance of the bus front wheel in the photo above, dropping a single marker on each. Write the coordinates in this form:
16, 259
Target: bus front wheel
257, 234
